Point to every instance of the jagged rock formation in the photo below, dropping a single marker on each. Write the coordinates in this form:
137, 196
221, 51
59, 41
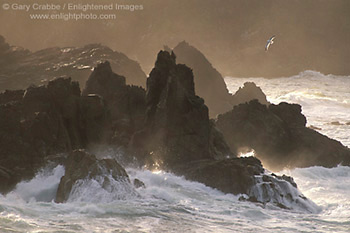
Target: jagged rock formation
249, 92
42, 121
80, 166
179, 137
126, 104
210, 85
20, 68
235, 175
279, 137
177, 126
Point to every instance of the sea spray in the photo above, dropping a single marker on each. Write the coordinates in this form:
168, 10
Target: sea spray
42, 187
98, 190
170, 203
273, 189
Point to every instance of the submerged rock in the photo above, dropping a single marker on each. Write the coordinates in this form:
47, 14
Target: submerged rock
80, 166
139, 184
281, 191
279, 136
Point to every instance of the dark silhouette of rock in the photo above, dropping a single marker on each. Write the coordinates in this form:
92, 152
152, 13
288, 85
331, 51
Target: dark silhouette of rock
177, 126
8, 96
20, 68
179, 137
236, 175
126, 104
279, 137
81, 165
43, 121
209, 84
249, 92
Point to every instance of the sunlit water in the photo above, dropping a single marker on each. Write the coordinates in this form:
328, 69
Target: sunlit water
172, 204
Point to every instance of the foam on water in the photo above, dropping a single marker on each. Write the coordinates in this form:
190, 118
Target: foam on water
278, 191
168, 204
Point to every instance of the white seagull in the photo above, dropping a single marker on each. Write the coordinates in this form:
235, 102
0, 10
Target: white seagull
269, 42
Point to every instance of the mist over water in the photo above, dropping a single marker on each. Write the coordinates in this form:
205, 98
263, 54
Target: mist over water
172, 204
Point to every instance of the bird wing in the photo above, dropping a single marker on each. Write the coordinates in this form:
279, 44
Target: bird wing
269, 42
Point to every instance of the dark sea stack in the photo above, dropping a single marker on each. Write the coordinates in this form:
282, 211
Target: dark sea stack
81, 165
279, 136
21, 68
249, 92
43, 121
179, 137
126, 104
177, 126
209, 83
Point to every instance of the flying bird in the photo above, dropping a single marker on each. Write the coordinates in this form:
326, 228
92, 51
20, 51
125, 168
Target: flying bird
269, 42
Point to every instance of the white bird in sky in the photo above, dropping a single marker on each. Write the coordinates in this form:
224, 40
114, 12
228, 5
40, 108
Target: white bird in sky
269, 42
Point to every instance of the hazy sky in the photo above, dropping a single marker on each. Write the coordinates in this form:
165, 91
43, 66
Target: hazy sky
310, 34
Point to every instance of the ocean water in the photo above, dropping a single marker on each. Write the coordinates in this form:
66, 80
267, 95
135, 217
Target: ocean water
172, 204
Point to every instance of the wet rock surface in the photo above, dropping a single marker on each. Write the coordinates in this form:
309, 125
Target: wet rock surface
81, 165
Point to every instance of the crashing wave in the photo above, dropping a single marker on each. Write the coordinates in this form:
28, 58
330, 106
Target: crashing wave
281, 191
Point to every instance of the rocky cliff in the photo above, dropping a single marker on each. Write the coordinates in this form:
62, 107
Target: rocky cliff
126, 105
20, 68
209, 82
43, 121
177, 126
279, 136
210, 85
